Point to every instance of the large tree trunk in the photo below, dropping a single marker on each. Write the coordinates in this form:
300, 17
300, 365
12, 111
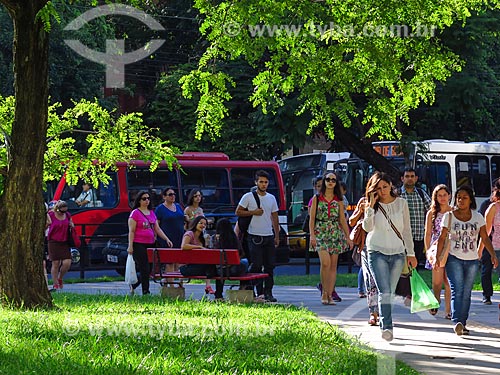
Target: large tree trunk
366, 152
22, 213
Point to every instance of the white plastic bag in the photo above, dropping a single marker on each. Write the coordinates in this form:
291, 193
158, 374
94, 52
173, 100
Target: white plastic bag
130, 274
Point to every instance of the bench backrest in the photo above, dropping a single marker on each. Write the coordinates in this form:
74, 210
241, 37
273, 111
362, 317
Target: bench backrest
197, 256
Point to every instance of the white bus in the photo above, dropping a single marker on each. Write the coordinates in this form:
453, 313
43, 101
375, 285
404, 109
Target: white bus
457, 163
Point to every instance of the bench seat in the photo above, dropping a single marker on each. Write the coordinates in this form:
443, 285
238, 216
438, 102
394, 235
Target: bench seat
159, 257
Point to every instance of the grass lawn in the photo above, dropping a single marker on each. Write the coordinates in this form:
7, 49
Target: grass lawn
89, 334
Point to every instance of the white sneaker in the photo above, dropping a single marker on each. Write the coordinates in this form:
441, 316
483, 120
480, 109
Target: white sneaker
387, 335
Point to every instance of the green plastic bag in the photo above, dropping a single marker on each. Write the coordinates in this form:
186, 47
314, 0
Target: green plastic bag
422, 297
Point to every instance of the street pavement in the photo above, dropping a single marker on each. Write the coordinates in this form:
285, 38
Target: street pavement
425, 342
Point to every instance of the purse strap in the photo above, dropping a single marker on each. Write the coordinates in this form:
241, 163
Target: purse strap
392, 224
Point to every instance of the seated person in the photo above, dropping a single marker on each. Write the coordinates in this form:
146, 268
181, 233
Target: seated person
86, 198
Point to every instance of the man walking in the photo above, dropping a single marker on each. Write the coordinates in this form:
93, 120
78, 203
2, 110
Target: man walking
419, 203
263, 233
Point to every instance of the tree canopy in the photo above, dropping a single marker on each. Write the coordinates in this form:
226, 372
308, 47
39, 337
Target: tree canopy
348, 62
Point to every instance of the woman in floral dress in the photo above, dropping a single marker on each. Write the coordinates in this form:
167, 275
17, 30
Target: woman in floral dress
329, 233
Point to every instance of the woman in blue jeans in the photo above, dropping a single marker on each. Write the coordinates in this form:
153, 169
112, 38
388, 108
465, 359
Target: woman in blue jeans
387, 221
465, 228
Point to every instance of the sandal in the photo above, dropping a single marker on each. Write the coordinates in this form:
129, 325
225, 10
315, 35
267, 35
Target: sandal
324, 299
448, 316
433, 311
373, 321
209, 290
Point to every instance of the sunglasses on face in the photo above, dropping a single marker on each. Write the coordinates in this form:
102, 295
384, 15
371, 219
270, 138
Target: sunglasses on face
170, 195
197, 195
332, 179
145, 199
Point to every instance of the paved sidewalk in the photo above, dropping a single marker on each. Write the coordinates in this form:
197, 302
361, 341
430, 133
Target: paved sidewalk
425, 342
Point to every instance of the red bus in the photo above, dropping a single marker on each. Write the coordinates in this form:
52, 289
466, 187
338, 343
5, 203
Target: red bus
222, 182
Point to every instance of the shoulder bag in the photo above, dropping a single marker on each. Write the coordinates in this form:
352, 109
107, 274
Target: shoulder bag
432, 250
406, 269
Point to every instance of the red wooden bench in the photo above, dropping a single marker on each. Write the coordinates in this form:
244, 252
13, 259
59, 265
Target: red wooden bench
159, 257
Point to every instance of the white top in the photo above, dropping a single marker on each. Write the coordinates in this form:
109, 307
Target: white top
381, 237
87, 196
464, 235
260, 225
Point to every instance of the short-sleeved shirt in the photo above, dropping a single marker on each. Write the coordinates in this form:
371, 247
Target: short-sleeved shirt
58, 230
260, 225
464, 235
87, 196
144, 230
172, 224
194, 240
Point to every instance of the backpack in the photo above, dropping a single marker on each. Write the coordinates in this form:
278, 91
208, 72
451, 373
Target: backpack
244, 221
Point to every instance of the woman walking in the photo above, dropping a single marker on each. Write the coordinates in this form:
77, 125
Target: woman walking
142, 230
387, 221
59, 221
170, 218
370, 285
329, 233
440, 204
465, 228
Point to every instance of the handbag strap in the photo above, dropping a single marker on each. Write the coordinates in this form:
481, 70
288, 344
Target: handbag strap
392, 224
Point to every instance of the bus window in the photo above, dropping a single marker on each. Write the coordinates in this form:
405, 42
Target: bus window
212, 182
431, 175
153, 182
495, 167
474, 171
104, 195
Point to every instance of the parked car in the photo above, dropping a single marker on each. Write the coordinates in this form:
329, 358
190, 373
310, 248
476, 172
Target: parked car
115, 254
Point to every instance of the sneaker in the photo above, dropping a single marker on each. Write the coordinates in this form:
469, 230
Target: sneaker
336, 297
465, 332
60, 283
487, 300
361, 295
459, 329
259, 299
387, 335
319, 286
270, 298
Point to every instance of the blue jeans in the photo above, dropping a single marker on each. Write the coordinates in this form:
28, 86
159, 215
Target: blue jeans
461, 275
386, 270
262, 254
361, 281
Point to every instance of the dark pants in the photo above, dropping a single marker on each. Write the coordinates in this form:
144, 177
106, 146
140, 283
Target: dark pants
262, 255
418, 247
142, 265
486, 273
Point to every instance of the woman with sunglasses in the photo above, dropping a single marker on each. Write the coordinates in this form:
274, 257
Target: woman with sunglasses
329, 233
170, 218
59, 221
142, 231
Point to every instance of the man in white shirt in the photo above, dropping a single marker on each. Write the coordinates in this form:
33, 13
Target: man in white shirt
263, 233
86, 198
